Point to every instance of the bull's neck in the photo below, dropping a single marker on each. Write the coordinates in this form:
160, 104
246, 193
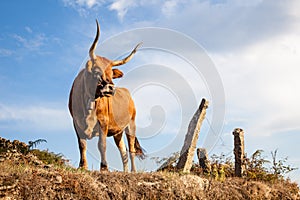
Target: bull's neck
88, 97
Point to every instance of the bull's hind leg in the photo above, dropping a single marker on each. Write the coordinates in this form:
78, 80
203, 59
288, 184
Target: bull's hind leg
122, 148
130, 134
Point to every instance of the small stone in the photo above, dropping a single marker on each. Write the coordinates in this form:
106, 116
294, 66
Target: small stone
58, 179
48, 166
192, 181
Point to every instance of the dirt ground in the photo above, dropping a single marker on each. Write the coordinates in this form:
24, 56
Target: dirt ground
24, 176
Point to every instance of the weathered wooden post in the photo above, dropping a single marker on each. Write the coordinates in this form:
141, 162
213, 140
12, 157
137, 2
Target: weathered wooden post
187, 152
239, 151
203, 160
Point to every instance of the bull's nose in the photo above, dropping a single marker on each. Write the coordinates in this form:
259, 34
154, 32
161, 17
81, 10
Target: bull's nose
111, 88
108, 90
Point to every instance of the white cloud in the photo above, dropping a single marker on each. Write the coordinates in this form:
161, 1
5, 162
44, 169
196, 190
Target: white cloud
83, 3
83, 6
33, 43
35, 117
28, 29
88, 3
5, 52
261, 84
169, 7
122, 6
218, 26
37, 43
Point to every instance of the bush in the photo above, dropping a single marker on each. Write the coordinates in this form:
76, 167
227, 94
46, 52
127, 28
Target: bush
280, 168
49, 157
257, 167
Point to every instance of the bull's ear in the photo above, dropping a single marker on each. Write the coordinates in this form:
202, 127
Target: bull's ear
89, 66
117, 73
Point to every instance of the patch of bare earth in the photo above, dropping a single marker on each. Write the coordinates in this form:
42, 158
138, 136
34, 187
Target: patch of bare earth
24, 176
24, 181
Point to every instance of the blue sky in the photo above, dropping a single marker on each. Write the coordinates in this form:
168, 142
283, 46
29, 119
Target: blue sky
254, 47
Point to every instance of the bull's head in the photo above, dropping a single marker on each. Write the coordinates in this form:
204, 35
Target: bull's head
100, 72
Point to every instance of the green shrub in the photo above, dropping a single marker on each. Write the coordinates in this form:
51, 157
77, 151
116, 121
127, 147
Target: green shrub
257, 167
49, 157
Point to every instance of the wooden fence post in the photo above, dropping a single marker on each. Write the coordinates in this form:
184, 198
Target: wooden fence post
188, 150
203, 160
239, 151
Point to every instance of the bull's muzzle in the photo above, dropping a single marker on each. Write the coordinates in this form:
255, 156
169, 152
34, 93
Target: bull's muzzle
106, 90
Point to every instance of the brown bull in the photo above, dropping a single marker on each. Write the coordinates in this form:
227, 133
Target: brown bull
100, 109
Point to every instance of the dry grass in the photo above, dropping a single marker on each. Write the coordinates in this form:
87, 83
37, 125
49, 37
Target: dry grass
27, 177
36, 182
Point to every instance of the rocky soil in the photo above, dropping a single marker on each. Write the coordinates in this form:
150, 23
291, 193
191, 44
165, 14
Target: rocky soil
23, 175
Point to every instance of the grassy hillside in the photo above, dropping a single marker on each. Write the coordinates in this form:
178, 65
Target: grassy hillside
34, 174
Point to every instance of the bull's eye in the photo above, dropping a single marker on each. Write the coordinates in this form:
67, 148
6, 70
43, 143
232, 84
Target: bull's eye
96, 70
97, 74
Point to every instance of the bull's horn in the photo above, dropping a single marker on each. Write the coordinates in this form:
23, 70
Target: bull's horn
94, 45
125, 60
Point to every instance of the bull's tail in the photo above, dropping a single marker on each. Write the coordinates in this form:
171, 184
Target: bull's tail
139, 151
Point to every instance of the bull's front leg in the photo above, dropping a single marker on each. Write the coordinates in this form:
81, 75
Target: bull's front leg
82, 148
102, 149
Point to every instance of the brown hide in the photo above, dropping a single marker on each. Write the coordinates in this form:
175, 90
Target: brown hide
110, 114
114, 113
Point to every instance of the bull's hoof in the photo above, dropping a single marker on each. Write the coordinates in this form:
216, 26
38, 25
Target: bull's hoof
103, 167
84, 168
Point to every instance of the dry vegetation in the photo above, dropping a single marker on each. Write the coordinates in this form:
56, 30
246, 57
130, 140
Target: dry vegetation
34, 174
